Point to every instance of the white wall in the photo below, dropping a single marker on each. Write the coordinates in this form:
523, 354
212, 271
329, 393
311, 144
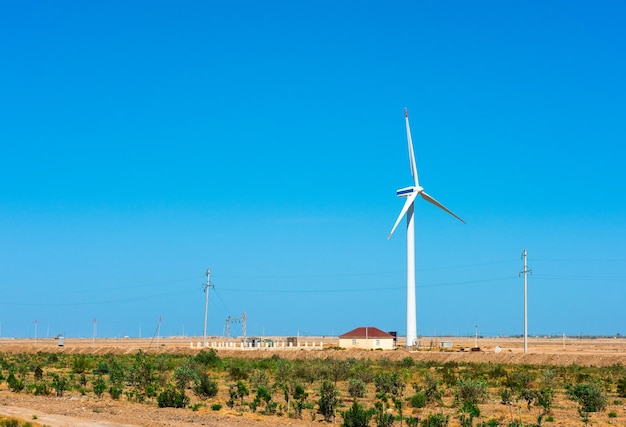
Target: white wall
370, 343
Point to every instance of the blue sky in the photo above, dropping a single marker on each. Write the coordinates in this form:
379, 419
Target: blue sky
143, 142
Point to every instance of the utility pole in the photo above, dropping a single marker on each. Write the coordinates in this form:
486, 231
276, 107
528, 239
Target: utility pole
525, 272
94, 330
476, 337
206, 303
159, 330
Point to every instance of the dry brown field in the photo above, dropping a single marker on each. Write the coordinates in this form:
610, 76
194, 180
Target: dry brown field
74, 409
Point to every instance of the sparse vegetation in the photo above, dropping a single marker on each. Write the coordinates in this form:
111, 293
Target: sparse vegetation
349, 391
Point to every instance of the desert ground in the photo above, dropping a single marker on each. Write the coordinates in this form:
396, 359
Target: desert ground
75, 410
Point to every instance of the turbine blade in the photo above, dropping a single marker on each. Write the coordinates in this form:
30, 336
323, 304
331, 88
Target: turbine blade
411, 153
436, 203
409, 201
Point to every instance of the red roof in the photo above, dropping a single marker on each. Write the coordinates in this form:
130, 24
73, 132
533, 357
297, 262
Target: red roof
366, 332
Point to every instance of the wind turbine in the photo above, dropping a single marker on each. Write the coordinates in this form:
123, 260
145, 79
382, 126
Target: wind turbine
411, 193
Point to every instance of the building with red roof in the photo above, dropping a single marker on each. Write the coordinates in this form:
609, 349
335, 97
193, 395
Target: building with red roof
367, 337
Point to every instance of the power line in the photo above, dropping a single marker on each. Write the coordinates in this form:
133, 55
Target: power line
317, 290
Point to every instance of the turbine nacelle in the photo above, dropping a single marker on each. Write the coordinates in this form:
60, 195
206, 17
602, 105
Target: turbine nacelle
407, 191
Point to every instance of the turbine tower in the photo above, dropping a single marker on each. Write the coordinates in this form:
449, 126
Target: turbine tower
410, 193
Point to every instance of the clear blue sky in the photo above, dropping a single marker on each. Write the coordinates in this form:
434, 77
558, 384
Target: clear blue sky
143, 142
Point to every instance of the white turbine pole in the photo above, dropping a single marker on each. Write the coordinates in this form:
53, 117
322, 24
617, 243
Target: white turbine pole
411, 316
206, 303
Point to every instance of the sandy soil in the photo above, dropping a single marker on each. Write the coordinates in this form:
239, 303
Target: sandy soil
76, 410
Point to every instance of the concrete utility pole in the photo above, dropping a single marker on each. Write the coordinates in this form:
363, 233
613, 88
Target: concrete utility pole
525, 272
206, 303
95, 326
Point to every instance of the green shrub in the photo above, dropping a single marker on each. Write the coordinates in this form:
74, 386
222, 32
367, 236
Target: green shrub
382, 418
60, 384
506, 396
418, 400
328, 400
205, 387
407, 362
115, 392
590, 396
216, 407
80, 364
99, 386
621, 387
436, 420
612, 414
238, 373
473, 391
15, 385
356, 387
41, 389
356, 416
172, 398
389, 384
208, 358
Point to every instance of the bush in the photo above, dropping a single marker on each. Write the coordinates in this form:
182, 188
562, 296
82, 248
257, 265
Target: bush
172, 398
15, 385
41, 389
356, 416
216, 407
407, 362
418, 400
389, 384
356, 387
621, 387
205, 387
80, 364
382, 418
99, 386
208, 358
238, 373
435, 420
589, 396
115, 392
506, 396
328, 400
472, 391
60, 384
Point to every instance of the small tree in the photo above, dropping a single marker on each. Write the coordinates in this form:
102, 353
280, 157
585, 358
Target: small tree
328, 400
99, 386
356, 416
473, 391
436, 420
382, 418
467, 412
356, 387
184, 375
15, 385
589, 396
171, 397
299, 399
205, 387
621, 387
60, 384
